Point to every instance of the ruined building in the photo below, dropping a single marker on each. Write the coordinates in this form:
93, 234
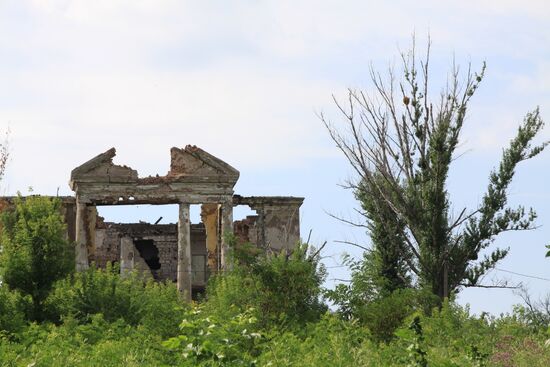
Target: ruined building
185, 253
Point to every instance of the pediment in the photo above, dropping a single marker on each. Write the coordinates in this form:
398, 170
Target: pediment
193, 161
194, 174
101, 169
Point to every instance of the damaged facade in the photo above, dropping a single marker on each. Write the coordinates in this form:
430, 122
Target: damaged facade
184, 252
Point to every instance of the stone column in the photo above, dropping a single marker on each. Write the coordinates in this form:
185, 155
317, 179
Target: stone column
227, 228
260, 227
184, 252
209, 216
81, 246
126, 255
91, 220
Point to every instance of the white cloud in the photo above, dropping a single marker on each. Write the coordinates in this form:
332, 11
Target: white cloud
242, 79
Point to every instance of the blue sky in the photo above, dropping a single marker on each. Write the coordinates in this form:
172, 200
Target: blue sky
244, 80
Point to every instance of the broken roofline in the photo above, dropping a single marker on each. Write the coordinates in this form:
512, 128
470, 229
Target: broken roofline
195, 177
251, 201
263, 201
186, 163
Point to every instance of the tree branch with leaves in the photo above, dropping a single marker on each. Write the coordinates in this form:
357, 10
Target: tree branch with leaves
401, 145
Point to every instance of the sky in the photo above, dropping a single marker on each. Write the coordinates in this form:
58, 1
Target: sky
246, 81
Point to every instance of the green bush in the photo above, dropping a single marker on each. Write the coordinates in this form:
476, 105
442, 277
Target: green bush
534, 314
290, 285
35, 252
383, 316
282, 287
382, 313
450, 336
206, 340
328, 342
229, 291
155, 306
96, 343
12, 317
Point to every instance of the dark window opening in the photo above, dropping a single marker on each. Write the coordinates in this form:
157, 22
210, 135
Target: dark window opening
149, 252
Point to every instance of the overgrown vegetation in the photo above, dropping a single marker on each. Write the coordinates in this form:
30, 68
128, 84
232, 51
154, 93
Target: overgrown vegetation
266, 311
35, 252
269, 309
284, 288
447, 337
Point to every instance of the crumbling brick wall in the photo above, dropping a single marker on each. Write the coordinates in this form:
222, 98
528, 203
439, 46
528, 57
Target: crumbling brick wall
164, 237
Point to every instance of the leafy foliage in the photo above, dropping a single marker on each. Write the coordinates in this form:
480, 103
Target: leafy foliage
328, 342
386, 262
494, 217
35, 252
155, 306
281, 287
12, 318
366, 300
417, 354
89, 333
208, 341
401, 145
534, 314
97, 343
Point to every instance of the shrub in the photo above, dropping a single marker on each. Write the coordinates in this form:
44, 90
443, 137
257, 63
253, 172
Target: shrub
96, 343
34, 252
207, 340
12, 318
383, 316
383, 313
290, 284
535, 314
328, 342
156, 306
229, 291
450, 336
279, 286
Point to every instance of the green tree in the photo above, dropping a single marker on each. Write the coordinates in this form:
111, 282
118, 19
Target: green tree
401, 145
35, 252
386, 264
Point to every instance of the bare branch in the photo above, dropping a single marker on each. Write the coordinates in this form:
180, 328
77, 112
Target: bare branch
354, 244
347, 221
